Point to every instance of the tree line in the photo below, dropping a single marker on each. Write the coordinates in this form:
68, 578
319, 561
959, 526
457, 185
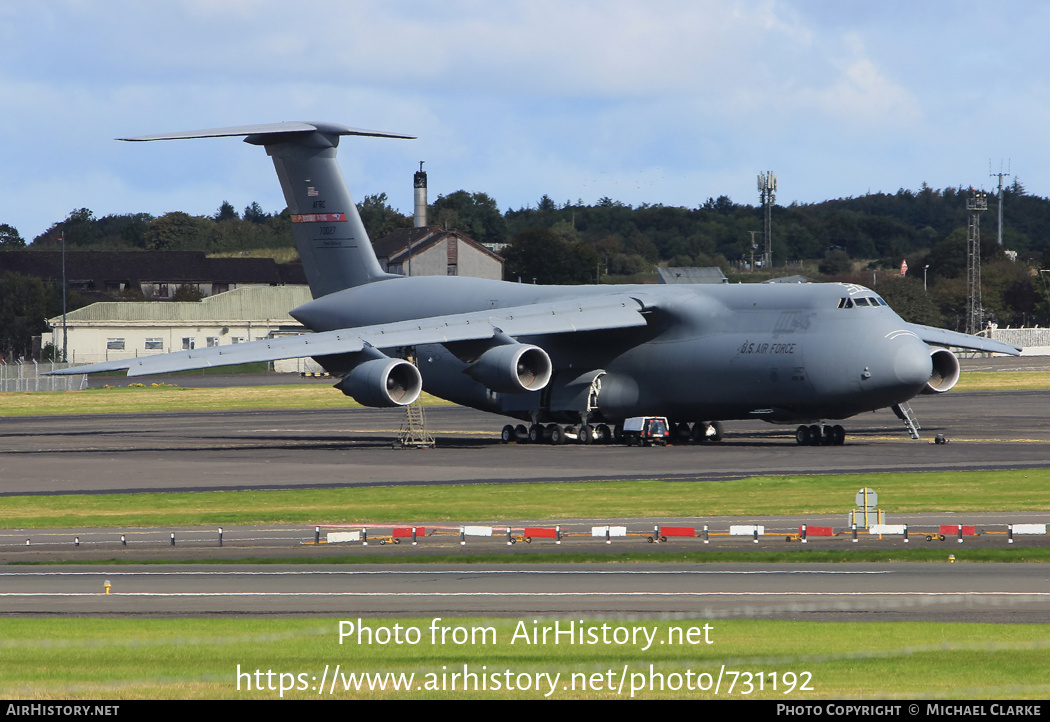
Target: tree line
862, 239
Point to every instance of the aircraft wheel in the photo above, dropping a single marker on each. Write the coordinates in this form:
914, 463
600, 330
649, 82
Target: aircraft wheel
521, 432
802, 436
717, 431
828, 437
557, 434
604, 434
814, 435
586, 434
617, 434
536, 433
508, 434
838, 435
700, 431
681, 433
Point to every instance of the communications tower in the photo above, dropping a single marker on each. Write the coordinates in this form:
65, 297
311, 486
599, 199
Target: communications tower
767, 195
976, 204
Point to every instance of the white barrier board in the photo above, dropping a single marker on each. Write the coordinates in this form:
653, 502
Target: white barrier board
613, 531
1029, 528
746, 530
334, 537
477, 530
886, 529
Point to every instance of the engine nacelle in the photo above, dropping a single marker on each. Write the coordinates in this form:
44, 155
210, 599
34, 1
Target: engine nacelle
945, 372
383, 382
513, 368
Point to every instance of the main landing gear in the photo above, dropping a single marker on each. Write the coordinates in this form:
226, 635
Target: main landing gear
820, 435
557, 434
681, 433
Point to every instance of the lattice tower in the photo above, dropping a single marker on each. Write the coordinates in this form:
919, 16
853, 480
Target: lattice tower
976, 204
767, 194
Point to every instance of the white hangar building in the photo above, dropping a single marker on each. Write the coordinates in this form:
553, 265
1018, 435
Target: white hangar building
118, 330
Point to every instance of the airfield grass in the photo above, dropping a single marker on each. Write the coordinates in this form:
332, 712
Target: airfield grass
165, 398
162, 398
1003, 381
914, 553
117, 659
984, 491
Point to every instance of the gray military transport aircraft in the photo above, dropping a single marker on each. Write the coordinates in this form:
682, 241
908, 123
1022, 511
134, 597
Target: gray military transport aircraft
574, 361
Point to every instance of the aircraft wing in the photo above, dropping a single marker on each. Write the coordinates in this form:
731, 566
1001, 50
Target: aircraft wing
585, 314
941, 337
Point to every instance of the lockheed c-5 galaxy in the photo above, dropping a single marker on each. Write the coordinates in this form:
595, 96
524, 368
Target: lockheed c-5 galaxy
574, 361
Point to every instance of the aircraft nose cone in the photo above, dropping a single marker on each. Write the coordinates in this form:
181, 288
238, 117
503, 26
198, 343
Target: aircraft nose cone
912, 364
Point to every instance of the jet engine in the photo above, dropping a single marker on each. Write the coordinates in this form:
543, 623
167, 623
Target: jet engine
514, 368
945, 372
383, 382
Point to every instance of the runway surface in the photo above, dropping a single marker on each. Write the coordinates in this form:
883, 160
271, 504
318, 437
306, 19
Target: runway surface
845, 592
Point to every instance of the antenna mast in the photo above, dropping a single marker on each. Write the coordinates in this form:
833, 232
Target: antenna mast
767, 194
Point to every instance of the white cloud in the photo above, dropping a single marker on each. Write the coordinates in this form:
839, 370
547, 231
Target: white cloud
664, 101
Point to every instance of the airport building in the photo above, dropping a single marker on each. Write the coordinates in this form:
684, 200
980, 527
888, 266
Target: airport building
157, 275
432, 251
110, 331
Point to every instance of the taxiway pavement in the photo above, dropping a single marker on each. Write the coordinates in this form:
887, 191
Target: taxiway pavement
288, 449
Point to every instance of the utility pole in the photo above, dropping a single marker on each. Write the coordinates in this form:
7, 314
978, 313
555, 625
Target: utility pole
767, 195
1000, 175
753, 247
65, 335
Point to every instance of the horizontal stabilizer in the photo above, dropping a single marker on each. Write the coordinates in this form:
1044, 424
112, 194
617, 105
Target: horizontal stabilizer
270, 129
942, 337
589, 314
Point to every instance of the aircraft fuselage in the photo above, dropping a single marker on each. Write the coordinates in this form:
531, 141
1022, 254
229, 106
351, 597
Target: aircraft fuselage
781, 352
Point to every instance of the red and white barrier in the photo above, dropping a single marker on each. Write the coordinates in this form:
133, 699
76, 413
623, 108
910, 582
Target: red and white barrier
676, 531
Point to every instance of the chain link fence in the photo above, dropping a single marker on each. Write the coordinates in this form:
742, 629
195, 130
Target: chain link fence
29, 376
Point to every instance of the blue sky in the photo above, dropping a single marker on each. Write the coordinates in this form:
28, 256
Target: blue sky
654, 101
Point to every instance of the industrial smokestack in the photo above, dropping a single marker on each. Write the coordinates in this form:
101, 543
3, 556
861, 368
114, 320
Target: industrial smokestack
420, 184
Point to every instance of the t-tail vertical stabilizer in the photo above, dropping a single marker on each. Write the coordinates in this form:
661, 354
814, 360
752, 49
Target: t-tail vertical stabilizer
332, 242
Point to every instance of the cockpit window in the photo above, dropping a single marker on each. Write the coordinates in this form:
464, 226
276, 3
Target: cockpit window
873, 301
